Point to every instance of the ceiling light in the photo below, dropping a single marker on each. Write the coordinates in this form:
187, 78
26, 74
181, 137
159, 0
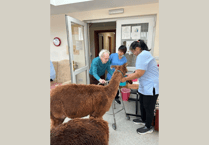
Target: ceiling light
65, 2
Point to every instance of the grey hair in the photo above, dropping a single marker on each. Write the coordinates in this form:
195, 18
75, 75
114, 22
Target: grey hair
102, 52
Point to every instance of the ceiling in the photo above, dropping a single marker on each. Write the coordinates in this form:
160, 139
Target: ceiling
95, 5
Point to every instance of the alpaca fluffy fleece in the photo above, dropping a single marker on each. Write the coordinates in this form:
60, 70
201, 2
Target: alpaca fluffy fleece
81, 132
78, 100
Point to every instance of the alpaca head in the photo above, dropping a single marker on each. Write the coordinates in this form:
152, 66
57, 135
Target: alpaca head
122, 68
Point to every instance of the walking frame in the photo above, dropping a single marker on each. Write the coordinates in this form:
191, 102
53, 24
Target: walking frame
114, 126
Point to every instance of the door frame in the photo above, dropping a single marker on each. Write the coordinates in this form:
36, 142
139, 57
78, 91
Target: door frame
110, 44
70, 45
96, 39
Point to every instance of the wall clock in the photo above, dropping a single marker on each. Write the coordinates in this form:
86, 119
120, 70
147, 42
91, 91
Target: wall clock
57, 41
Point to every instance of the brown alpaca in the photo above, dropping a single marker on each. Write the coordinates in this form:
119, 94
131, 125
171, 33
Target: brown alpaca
75, 101
93, 131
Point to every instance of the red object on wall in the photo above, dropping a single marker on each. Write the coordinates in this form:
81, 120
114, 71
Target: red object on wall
57, 41
157, 120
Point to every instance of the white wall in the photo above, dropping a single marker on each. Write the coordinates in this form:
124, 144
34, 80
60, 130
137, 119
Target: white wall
58, 29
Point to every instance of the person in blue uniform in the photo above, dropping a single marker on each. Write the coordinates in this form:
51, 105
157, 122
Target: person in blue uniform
117, 59
148, 74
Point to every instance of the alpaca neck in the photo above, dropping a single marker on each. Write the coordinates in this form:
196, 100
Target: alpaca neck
114, 83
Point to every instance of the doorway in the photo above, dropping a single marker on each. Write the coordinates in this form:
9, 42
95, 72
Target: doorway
103, 40
102, 36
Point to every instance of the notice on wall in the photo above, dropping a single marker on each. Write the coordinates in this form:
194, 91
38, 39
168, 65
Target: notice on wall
144, 34
126, 32
79, 45
136, 32
80, 33
128, 44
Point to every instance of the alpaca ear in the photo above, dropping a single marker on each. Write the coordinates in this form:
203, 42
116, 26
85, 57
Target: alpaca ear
126, 64
114, 66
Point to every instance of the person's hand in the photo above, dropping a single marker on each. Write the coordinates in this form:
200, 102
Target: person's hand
129, 75
102, 81
123, 79
130, 82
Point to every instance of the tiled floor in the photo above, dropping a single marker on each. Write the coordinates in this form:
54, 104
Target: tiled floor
125, 134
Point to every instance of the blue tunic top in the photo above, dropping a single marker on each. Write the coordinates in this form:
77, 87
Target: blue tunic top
98, 69
150, 79
52, 71
114, 60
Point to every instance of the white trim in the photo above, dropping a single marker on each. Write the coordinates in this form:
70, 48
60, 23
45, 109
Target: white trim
67, 30
100, 20
86, 53
153, 36
77, 71
69, 20
118, 18
89, 50
76, 21
70, 47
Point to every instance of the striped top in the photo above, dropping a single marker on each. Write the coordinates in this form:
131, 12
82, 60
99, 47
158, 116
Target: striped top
98, 69
150, 79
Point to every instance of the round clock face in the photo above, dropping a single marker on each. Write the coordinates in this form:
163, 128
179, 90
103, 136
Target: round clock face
57, 41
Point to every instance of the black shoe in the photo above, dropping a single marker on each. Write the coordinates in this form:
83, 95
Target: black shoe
117, 101
138, 121
144, 130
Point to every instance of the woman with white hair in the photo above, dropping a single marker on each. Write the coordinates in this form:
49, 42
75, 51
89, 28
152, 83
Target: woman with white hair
98, 67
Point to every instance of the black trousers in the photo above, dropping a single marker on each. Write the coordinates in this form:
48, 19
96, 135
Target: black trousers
93, 80
147, 106
117, 97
